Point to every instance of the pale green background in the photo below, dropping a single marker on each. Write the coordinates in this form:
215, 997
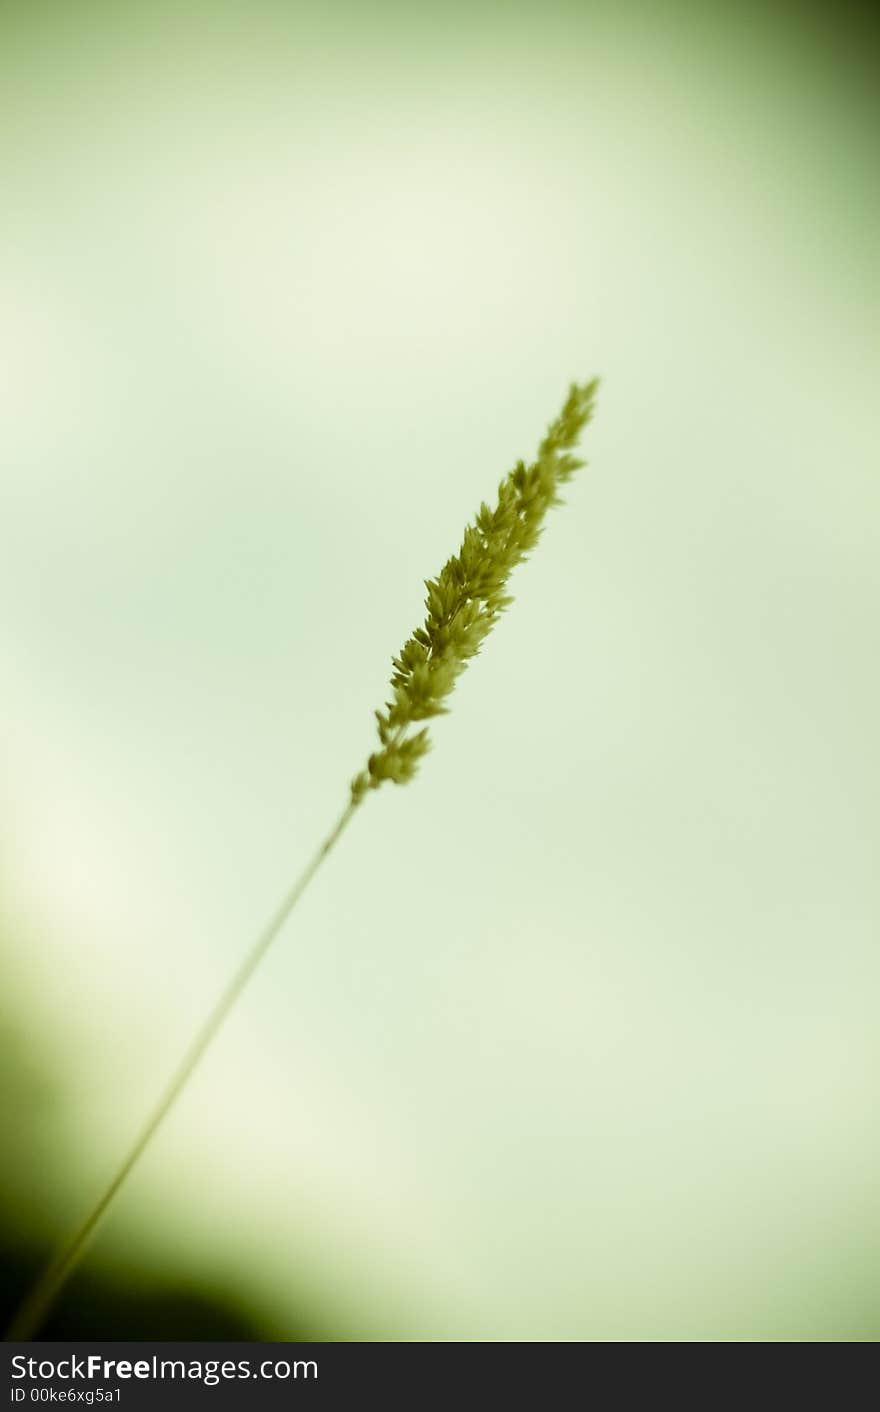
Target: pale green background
577, 1037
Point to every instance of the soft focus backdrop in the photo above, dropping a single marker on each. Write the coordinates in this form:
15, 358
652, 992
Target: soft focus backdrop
576, 1038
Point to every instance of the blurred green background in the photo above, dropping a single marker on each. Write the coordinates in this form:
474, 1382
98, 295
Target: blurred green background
576, 1038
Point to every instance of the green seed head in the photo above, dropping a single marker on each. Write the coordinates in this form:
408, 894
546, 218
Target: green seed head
466, 598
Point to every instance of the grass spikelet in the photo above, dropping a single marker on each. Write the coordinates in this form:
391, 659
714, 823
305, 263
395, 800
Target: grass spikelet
465, 600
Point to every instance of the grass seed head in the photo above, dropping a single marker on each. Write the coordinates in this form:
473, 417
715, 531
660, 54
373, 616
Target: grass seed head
464, 601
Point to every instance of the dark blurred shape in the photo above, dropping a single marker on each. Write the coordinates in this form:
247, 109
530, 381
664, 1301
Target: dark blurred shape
97, 1306
35, 1155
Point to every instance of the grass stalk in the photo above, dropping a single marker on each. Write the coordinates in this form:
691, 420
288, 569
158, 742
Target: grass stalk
464, 602
36, 1305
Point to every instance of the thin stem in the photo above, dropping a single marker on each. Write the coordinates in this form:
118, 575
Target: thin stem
37, 1303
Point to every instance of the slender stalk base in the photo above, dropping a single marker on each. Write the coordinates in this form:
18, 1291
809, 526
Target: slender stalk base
36, 1305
